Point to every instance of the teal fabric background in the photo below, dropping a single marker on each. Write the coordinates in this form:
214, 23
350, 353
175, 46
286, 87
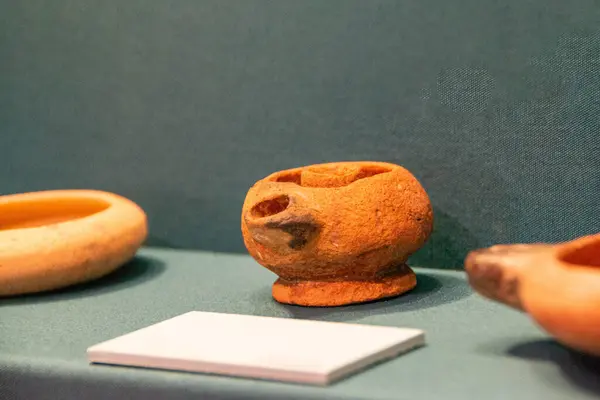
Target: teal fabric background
181, 105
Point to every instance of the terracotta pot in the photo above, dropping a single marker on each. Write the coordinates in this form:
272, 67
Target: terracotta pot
558, 285
337, 233
53, 239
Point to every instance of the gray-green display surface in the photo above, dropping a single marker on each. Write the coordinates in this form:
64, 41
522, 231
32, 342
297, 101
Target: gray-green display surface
476, 349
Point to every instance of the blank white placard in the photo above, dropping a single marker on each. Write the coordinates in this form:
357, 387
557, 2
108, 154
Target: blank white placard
281, 349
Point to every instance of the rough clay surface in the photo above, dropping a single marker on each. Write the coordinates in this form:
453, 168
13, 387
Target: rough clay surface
337, 233
337, 293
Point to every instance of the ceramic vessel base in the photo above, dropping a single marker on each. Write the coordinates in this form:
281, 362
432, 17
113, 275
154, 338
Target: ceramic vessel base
339, 293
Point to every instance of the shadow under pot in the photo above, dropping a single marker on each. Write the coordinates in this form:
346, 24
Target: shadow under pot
337, 233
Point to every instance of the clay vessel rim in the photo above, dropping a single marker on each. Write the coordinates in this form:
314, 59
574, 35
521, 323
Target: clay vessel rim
100, 205
565, 250
291, 176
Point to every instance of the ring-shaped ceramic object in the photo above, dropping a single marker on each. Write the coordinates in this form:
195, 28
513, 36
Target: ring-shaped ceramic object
57, 238
556, 284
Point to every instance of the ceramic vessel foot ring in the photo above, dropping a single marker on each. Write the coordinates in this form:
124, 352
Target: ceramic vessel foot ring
338, 293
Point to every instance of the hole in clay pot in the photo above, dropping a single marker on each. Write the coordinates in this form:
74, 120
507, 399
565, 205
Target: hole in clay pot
270, 207
588, 255
290, 176
37, 213
372, 170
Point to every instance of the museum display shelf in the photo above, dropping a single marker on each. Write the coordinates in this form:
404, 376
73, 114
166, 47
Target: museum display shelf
476, 349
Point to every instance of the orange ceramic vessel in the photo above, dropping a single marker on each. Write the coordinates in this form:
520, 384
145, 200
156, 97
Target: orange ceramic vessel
558, 285
337, 233
54, 239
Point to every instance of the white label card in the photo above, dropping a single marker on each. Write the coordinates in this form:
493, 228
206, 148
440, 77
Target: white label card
281, 349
